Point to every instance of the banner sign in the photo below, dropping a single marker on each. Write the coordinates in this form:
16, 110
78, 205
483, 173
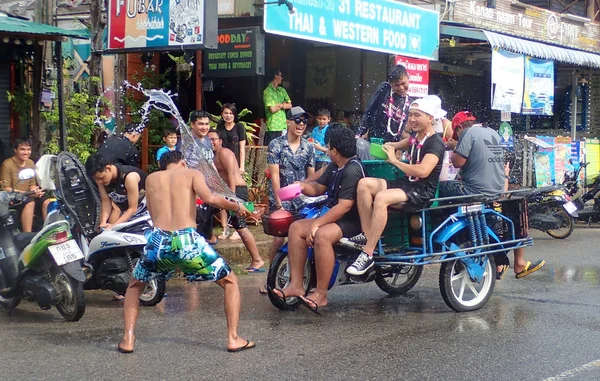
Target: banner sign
383, 26
418, 73
544, 163
241, 52
538, 97
144, 25
507, 80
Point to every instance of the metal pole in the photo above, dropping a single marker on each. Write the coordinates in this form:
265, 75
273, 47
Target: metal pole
62, 139
574, 108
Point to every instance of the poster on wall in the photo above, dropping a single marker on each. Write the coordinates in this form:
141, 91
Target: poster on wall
418, 73
544, 163
507, 80
241, 52
160, 25
320, 73
562, 158
538, 97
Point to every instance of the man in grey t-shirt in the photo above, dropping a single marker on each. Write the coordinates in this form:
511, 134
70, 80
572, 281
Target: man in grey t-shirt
480, 158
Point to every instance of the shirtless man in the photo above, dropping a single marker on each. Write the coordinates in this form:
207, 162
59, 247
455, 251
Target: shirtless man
174, 243
228, 169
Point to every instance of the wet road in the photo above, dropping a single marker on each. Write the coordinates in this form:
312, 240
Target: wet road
544, 326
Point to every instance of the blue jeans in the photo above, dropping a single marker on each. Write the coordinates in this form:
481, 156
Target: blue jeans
453, 188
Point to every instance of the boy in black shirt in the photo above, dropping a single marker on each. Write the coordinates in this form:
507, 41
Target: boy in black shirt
339, 180
120, 149
426, 150
121, 185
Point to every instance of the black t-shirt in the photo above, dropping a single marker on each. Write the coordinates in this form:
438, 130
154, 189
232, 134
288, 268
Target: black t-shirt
116, 189
433, 145
341, 183
232, 138
119, 150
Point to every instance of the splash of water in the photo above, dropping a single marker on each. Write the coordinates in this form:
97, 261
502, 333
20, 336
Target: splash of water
196, 154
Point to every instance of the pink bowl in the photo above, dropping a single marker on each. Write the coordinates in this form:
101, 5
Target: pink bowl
290, 192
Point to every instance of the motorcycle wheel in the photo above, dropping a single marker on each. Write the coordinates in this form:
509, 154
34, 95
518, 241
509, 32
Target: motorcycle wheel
459, 292
397, 280
154, 292
72, 304
566, 226
279, 277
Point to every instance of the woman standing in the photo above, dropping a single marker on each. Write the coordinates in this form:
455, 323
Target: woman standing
233, 133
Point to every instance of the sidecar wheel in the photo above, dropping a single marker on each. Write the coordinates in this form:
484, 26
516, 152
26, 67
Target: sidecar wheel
397, 280
459, 292
279, 277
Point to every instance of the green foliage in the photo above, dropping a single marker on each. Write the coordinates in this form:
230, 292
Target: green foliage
80, 114
21, 101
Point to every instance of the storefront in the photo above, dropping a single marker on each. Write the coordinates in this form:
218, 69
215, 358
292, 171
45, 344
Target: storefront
464, 72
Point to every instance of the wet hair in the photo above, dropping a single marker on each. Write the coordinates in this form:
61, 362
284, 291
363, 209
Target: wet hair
98, 137
19, 141
342, 139
198, 114
169, 131
132, 128
274, 72
96, 163
396, 73
171, 157
231, 107
216, 132
324, 112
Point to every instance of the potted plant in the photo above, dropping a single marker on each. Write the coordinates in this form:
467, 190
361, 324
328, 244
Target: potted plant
258, 193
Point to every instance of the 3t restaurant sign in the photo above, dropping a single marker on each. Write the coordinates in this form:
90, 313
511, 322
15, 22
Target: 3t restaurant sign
240, 52
144, 25
418, 73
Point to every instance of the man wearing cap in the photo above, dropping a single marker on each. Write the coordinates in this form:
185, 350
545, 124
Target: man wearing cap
374, 195
480, 157
290, 158
276, 101
386, 114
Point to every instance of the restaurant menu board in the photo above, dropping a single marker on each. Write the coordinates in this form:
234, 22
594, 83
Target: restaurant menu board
240, 53
544, 163
592, 155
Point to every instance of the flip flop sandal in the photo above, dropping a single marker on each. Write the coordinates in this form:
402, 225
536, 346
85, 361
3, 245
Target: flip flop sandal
501, 273
282, 298
255, 270
530, 268
249, 345
263, 290
310, 304
124, 351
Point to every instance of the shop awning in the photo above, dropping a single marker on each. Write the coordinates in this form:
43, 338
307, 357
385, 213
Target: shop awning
528, 47
15, 27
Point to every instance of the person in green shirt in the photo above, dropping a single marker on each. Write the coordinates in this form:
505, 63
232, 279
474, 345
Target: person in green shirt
276, 101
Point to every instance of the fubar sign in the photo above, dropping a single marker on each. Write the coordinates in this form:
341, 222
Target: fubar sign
240, 53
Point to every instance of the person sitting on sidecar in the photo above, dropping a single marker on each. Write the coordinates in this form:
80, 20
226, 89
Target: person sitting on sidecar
374, 195
121, 185
9, 175
339, 180
480, 157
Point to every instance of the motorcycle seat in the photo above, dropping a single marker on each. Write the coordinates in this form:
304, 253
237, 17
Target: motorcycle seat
22, 240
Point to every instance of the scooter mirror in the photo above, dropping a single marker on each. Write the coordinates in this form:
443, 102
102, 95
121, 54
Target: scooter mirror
26, 174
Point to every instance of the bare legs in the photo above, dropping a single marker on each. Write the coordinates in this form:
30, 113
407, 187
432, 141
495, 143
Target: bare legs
373, 201
325, 237
27, 217
250, 243
232, 312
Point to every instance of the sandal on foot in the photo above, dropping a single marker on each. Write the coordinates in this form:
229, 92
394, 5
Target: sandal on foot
263, 290
310, 304
530, 268
249, 345
501, 273
124, 351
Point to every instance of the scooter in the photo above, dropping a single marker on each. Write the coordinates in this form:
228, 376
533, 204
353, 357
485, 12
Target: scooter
589, 214
47, 270
551, 210
109, 256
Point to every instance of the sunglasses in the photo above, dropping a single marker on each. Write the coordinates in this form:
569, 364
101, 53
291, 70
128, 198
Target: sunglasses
300, 120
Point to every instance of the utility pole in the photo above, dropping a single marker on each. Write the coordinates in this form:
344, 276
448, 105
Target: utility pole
98, 23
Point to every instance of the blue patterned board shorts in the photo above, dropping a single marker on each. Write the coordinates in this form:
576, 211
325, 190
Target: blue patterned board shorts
184, 249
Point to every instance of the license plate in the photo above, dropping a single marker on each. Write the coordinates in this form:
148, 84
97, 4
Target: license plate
66, 252
570, 207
